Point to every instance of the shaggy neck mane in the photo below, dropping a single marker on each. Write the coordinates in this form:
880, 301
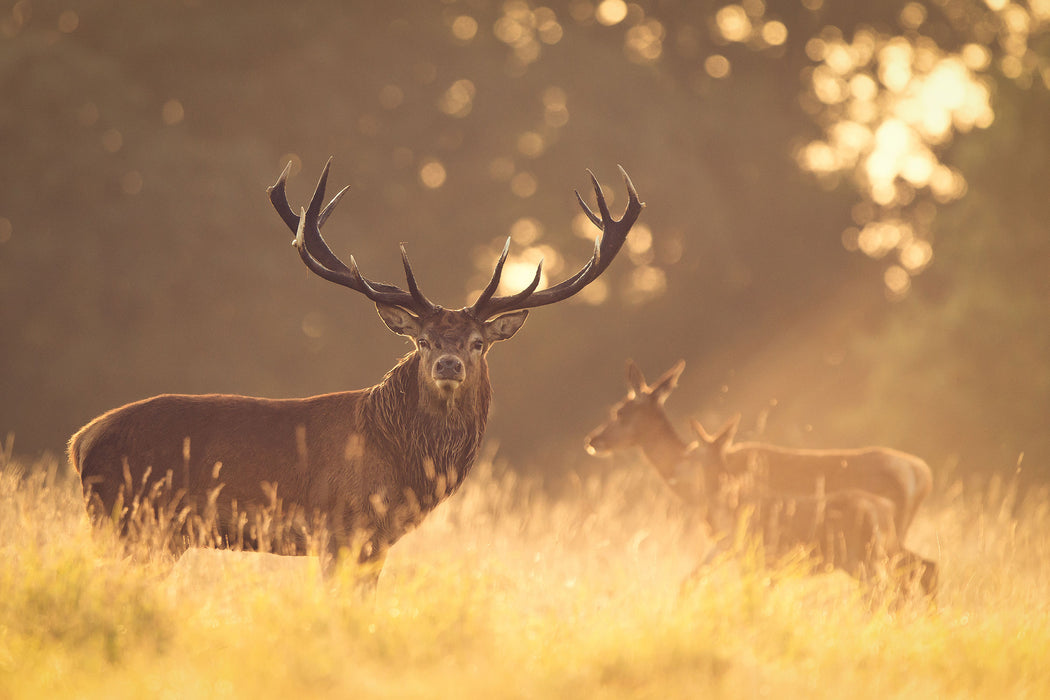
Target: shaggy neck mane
431, 442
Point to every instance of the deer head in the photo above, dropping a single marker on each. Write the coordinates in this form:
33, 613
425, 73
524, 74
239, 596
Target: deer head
451, 344
638, 419
711, 450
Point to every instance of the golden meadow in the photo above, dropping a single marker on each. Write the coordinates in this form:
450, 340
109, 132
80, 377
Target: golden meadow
509, 591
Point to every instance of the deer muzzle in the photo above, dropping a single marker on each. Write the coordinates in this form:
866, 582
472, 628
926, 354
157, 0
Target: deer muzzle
449, 372
596, 444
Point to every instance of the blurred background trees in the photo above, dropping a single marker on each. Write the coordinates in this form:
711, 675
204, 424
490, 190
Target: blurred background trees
846, 237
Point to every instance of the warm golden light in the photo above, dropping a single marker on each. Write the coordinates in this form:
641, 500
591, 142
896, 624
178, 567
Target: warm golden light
523, 185
774, 33
548, 29
391, 96
733, 23
895, 61
432, 174
458, 99
464, 28
526, 230
897, 281
717, 66
520, 270
112, 141
313, 324
818, 157
645, 284
976, 57
610, 12
531, 144
916, 255
640, 245
555, 106
880, 237
912, 15
644, 42
172, 112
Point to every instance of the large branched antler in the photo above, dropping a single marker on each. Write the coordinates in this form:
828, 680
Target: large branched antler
606, 246
321, 260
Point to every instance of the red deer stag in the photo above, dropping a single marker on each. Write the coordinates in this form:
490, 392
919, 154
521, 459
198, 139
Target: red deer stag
850, 529
369, 463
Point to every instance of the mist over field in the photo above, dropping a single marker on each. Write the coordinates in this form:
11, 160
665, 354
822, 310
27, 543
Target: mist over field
845, 238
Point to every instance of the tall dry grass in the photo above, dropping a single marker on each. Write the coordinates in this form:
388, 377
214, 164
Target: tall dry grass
507, 591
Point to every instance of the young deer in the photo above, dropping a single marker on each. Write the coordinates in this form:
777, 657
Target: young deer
370, 464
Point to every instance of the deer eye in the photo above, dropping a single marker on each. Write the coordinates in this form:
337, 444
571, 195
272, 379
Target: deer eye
423, 343
479, 345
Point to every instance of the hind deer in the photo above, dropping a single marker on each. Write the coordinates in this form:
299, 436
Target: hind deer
369, 463
853, 507
848, 528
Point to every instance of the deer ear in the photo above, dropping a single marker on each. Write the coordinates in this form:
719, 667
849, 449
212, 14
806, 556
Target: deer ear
701, 433
399, 320
726, 433
635, 379
505, 326
666, 384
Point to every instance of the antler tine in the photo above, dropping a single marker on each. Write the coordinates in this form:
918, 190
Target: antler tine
496, 306
497, 272
279, 199
606, 246
413, 288
327, 211
587, 210
320, 259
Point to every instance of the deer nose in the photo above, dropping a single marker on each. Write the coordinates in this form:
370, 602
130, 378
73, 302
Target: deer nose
449, 367
594, 444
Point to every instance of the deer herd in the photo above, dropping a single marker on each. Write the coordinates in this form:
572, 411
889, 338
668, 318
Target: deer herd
365, 467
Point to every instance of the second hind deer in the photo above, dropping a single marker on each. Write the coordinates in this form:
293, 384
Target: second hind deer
852, 507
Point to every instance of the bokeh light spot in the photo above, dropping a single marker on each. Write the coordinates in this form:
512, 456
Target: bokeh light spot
717, 66
464, 28
523, 185
897, 281
391, 96
733, 23
172, 112
458, 99
610, 12
531, 144
526, 230
432, 174
131, 182
774, 33
112, 141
